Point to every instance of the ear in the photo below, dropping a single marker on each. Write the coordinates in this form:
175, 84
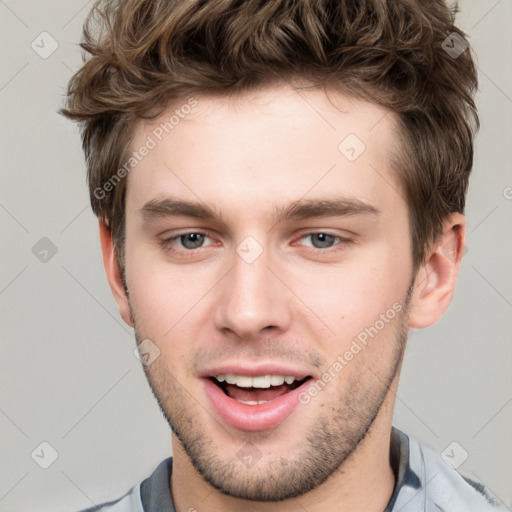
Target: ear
113, 274
435, 280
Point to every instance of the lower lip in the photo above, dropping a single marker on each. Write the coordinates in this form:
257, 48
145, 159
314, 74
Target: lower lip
253, 418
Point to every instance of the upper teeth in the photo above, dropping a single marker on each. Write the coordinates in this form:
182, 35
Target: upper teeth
265, 381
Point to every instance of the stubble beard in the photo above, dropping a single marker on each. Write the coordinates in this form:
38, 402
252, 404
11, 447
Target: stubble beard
327, 445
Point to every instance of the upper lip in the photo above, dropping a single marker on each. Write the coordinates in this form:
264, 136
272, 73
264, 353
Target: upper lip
254, 370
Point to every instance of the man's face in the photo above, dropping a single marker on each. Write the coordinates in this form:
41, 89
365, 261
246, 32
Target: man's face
257, 245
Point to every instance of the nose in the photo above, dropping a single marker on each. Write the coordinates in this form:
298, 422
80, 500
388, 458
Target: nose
253, 300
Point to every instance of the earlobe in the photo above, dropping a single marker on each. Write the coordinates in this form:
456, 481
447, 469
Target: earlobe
435, 280
114, 277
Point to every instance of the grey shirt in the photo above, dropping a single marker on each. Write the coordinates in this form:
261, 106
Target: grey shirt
424, 482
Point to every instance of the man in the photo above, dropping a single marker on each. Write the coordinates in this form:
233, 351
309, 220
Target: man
280, 189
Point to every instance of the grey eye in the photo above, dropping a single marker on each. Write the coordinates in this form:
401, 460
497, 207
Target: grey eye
322, 240
192, 240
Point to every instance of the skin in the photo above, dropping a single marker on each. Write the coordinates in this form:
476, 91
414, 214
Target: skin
249, 157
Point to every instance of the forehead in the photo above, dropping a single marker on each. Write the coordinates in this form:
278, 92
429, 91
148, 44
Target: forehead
266, 147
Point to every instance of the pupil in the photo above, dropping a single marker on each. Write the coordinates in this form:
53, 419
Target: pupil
192, 240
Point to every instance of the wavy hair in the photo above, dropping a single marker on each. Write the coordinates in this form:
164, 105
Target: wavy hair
142, 55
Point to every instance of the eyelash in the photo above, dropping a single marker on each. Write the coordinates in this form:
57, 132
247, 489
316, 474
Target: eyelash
167, 243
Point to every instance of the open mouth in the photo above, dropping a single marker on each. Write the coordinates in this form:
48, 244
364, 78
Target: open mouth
256, 390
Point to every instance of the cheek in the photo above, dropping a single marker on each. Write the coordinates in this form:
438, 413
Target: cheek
352, 297
164, 297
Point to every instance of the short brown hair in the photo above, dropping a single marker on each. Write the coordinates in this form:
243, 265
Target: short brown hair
145, 54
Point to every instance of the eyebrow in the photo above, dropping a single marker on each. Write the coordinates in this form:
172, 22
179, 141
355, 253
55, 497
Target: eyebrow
169, 207
302, 209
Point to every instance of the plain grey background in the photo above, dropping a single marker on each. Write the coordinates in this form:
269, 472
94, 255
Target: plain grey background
68, 374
